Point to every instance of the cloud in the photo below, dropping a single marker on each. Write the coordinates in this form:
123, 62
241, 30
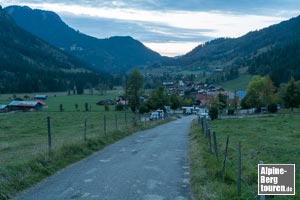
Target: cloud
167, 23
222, 24
233, 6
143, 31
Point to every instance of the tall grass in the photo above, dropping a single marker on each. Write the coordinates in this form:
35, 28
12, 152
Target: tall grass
270, 139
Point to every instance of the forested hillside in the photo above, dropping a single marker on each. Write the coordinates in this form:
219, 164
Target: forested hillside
115, 54
231, 51
272, 51
28, 64
280, 63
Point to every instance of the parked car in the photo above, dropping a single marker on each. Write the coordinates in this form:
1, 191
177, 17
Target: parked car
154, 116
188, 111
204, 115
161, 114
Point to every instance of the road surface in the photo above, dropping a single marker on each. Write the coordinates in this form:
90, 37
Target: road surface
149, 165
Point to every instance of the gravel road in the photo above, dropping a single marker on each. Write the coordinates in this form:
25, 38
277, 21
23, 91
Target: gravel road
149, 165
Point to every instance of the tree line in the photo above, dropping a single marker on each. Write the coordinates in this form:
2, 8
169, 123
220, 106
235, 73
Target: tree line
261, 94
280, 63
157, 99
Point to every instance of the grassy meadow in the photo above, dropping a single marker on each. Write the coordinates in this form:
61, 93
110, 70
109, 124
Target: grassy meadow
56, 98
274, 140
240, 83
24, 155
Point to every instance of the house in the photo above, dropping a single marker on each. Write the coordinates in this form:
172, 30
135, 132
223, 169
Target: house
25, 105
203, 99
40, 97
121, 100
241, 94
3, 108
169, 86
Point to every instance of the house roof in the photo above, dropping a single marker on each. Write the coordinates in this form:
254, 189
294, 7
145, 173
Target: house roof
24, 103
40, 96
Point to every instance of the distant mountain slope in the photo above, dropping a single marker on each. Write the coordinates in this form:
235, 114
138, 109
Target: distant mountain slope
230, 52
280, 63
113, 54
28, 64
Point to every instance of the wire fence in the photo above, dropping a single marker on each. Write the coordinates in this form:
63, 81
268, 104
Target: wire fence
231, 153
27, 134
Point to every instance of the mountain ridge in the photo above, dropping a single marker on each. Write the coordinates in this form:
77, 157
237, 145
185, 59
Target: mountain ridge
29, 64
230, 51
115, 54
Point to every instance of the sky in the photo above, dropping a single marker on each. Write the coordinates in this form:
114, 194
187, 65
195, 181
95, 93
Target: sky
170, 27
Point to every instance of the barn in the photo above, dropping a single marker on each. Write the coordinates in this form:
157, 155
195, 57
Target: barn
25, 105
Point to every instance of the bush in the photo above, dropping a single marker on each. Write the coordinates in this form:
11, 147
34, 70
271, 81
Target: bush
230, 111
213, 113
272, 108
106, 107
119, 107
244, 104
143, 109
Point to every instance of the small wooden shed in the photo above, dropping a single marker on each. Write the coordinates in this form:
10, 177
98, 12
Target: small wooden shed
25, 106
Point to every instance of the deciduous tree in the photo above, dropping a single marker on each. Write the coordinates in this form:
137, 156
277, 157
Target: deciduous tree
134, 89
291, 96
260, 92
175, 101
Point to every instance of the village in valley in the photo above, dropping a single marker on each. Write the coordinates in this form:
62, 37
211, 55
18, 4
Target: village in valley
199, 92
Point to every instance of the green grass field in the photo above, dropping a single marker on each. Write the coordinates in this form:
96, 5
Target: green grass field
56, 98
24, 156
25, 133
270, 139
237, 84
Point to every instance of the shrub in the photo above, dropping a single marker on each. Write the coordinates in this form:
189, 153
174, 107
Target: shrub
213, 113
143, 109
230, 111
106, 107
119, 107
61, 107
272, 108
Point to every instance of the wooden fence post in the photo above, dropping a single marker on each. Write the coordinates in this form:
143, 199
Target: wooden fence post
145, 119
116, 121
125, 117
202, 125
85, 127
104, 124
134, 121
239, 170
140, 118
225, 157
208, 138
206, 128
49, 134
215, 145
